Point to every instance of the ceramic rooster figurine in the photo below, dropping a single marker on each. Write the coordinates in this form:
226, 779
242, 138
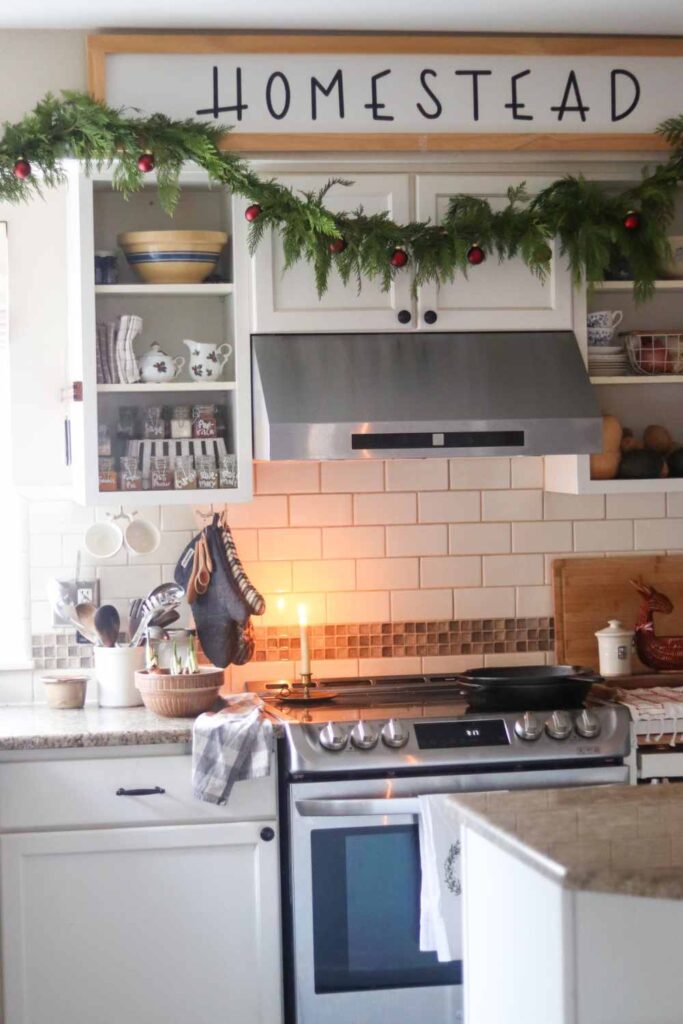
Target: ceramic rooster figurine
659, 653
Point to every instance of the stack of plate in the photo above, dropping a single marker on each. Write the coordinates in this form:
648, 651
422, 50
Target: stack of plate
608, 361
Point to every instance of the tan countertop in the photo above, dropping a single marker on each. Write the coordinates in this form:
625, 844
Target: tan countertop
37, 727
613, 839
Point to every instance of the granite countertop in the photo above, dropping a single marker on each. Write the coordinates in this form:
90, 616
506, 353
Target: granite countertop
612, 839
37, 727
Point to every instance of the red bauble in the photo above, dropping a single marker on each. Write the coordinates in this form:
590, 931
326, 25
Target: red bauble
22, 170
398, 258
336, 246
632, 221
145, 163
475, 255
253, 212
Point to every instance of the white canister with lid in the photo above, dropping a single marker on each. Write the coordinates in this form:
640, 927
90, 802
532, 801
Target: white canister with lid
615, 644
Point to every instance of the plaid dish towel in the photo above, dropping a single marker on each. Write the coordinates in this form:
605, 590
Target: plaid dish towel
228, 746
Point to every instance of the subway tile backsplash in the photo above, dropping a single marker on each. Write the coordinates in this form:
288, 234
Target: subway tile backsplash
415, 565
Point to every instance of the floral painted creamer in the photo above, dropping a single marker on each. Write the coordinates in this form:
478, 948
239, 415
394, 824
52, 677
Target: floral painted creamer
206, 359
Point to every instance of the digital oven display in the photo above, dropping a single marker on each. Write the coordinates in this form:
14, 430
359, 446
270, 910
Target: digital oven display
440, 735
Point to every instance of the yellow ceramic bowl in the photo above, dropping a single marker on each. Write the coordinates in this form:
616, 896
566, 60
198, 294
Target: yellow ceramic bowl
173, 257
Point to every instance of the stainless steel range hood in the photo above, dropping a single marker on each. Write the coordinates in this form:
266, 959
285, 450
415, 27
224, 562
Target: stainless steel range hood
410, 395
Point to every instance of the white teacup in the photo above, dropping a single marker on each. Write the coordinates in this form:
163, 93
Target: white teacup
605, 319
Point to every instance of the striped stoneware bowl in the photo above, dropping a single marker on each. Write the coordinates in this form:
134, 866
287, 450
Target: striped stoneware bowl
173, 257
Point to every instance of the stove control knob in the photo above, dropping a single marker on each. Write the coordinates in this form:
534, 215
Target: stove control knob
559, 726
364, 736
588, 724
528, 727
394, 734
333, 736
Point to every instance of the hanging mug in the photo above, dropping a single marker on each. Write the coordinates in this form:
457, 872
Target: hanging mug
206, 359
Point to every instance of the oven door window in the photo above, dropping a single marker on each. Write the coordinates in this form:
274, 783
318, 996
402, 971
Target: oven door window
366, 911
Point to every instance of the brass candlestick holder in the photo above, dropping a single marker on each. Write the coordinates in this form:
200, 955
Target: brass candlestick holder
307, 683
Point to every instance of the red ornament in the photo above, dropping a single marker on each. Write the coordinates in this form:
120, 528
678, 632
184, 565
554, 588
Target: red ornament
253, 212
632, 221
336, 246
145, 163
22, 170
398, 258
475, 255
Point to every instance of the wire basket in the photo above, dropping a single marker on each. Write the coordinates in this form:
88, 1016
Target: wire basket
655, 353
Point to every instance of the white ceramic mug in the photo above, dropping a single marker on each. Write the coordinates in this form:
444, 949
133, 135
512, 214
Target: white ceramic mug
206, 359
115, 669
605, 319
103, 540
142, 537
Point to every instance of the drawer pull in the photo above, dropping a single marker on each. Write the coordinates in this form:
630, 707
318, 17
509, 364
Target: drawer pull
139, 792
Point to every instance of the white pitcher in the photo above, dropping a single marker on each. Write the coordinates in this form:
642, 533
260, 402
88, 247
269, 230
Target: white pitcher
207, 360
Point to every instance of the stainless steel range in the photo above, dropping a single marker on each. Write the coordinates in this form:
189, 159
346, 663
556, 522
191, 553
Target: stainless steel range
351, 773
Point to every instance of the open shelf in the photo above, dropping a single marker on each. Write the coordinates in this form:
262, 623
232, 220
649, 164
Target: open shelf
627, 286
218, 385
663, 378
223, 288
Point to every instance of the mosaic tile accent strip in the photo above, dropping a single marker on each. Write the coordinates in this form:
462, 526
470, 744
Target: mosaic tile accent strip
408, 639
59, 649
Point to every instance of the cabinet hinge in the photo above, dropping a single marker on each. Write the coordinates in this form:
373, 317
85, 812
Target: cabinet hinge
77, 391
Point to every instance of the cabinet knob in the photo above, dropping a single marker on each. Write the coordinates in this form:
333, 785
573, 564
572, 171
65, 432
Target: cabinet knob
267, 834
430, 317
404, 316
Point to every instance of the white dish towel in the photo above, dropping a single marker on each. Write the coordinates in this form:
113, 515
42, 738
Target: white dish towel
441, 887
230, 745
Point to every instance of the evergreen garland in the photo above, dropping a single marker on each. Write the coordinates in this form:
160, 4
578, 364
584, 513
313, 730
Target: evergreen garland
588, 220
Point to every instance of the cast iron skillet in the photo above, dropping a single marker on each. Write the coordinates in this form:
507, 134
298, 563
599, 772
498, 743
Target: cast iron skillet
527, 687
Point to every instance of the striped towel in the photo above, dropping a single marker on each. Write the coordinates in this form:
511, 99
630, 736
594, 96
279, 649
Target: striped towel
128, 327
228, 746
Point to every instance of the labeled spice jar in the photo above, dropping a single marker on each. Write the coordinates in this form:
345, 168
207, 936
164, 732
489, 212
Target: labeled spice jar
108, 477
160, 473
204, 422
181, 421
154, 425
227, 471
127, 423
207, 472
185, 475
130, 477
103, 440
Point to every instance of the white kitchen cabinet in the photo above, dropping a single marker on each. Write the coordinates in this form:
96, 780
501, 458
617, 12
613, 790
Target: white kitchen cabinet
171, 315
494, 295
157, 925
288, 301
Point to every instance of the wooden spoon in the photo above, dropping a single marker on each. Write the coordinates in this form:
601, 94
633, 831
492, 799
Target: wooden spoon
107, 625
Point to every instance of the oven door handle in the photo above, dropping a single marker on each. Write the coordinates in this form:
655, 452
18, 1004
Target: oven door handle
356, 808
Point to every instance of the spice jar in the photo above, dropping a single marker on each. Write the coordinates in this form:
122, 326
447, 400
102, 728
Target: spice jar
181, 421
127, 424
130, 477
154, 427
207, 472
108, 479
161, 476
204, 421
103, 440
615, 644
227, 471
185, 476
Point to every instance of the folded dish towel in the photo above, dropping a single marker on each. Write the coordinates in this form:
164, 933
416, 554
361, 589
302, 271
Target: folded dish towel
228, 746
441, 887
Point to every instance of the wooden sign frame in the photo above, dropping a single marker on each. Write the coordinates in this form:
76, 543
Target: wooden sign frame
99, 47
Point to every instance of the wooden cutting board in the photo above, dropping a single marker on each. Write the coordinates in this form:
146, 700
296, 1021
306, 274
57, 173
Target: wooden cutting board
589, 591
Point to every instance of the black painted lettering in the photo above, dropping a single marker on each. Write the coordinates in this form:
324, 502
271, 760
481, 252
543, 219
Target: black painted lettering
216, 110
374, 105
475, 89
579, 107
436, 112
636, 93
286, 95
515, 104
337, 81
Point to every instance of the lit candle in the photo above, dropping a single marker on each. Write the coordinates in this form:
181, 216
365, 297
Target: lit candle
305, 648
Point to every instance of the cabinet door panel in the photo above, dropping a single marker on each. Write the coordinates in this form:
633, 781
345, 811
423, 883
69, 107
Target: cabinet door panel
288, 301
494, 295
157, 925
